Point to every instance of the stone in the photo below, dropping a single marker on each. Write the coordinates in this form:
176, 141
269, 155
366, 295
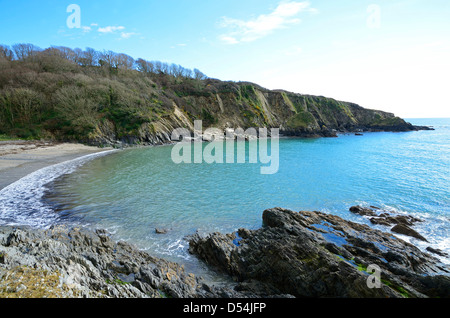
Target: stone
161, 231
436, 251
362, 211
406, 230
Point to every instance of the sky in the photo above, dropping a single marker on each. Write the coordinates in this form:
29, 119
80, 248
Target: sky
391, 55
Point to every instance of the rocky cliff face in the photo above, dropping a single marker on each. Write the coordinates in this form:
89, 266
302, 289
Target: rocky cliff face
244, 105
50, 96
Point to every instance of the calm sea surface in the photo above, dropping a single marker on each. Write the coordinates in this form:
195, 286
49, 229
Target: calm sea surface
132, 192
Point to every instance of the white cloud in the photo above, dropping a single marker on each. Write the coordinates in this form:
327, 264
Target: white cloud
228, 39
111, 29
126, 35
86, 29
283, 16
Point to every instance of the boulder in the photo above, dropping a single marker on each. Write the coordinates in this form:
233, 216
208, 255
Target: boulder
362, 211
436, 251
406, 230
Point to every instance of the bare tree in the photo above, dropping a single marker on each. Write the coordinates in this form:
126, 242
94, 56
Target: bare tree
198, 75
158, 67
25, 50
90, 57
188, 73
65, 52
6, 53
110, 58
125, 62
144, 66
165, 68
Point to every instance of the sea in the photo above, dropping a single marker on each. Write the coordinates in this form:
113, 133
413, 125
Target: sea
133, 192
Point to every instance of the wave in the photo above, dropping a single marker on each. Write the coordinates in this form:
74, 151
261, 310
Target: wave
21, 202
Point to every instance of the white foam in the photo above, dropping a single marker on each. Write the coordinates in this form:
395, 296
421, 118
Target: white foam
20, 202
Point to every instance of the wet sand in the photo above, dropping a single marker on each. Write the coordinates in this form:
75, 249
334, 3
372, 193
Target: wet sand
20, 158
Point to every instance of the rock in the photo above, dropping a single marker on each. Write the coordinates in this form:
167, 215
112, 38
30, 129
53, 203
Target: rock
436, 251
406, 230
380, 221
383, 217
90, 264
161, 231
312, 254
362, 211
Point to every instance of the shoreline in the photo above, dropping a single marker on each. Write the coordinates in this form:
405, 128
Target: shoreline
171, 280
21, 158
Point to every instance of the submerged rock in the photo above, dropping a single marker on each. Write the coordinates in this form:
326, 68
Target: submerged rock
312, 254
161, 231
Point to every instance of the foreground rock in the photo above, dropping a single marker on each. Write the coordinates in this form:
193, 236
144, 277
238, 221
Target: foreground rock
71, 263
311, 254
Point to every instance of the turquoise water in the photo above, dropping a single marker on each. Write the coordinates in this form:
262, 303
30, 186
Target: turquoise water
132, 192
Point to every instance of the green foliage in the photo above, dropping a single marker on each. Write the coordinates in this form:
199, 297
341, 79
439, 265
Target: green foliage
399, 289
4, 137
248, 92
207, 118
116, 281
62, 94
301, 120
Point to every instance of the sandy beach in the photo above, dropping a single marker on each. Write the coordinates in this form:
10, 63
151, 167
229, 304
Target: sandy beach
20, 158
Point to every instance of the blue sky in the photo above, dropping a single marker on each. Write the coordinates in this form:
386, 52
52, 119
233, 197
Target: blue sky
382, 54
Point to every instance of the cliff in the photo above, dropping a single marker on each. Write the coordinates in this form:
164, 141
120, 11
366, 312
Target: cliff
55, 94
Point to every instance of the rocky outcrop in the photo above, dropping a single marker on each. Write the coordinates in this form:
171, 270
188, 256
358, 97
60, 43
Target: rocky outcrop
295, 254
402, 223
225, 105
68, 263
312, 254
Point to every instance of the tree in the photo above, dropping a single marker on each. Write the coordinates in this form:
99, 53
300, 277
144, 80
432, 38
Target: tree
199, 75
124, 61
65, 52
24, 51
90, 57
20, 106
6, 53
74, 104
142, 65
158, 67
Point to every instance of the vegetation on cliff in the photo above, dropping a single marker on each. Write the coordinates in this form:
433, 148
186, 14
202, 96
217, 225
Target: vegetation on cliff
103, 97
